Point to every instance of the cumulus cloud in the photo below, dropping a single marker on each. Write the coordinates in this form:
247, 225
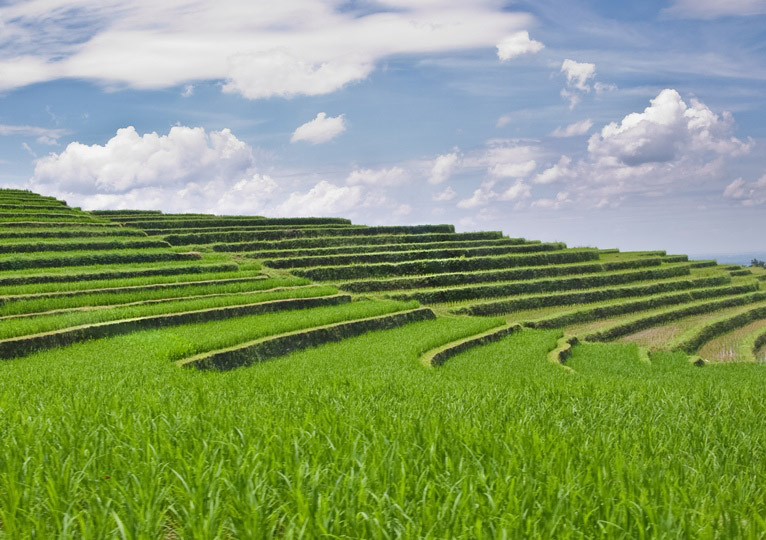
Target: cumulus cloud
517, 44
49, 136
578, 74
748, 193
572, 130
187, 169
490, 191
393, 176
129, 160
713, 9
443, 167
324, 199
480, 197
517, 191
667, 129
258, 49
668, 147
504, 158
557, 172
240, 198
319, 130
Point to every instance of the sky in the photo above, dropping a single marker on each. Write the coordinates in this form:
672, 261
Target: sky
636, 125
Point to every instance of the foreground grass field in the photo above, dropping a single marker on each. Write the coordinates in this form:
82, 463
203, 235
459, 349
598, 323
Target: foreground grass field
567, 401
358, 439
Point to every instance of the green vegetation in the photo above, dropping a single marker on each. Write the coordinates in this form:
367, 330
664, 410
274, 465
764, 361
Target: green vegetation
363, 414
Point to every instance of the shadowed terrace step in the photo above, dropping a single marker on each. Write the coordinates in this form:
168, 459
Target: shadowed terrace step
20, 346
274, 346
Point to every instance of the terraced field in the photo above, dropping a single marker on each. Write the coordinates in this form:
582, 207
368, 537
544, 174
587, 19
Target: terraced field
147, 292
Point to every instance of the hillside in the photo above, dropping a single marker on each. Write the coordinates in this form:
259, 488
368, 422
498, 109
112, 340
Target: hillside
420, 382
68, 276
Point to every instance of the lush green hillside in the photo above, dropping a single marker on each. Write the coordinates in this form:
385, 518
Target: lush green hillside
421, 382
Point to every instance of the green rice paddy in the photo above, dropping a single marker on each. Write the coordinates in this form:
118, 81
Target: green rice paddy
655, 431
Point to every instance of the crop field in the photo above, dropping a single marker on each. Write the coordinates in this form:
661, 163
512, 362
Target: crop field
200, 376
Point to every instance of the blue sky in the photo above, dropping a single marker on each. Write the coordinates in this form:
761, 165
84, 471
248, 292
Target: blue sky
638, 125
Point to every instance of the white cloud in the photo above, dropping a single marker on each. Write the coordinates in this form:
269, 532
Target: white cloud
712, 9
279, 73
505, 158
443, 167
319, 130
49, 136
258, 49
578, 73
517, 44
667, 148
572, 130
188, 90
516, 192
324, 199
446, 195
240, 198
559, 171
561, 199
573, 97
393, 176
481, 196
748, 193
602, 88
28, 150
513, 170
487, 193
666, 130
129, 160
188, 169
503, 121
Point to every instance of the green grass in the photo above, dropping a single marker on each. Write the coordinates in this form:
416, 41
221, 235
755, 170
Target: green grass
74, 233
383, 255
109, 438
132, 296
358, 440
655, 305
25, 261
566, 296
366, 240
390, 248
123, 267
79, 285
435, 266
105, 243
37, 324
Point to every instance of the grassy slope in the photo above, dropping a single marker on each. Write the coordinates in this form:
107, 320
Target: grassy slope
109, 438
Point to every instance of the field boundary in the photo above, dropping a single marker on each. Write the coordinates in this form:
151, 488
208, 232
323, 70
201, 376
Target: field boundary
266, 348
23, 345
438, 356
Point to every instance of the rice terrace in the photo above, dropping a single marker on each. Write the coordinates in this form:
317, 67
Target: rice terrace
382, 269
402, 381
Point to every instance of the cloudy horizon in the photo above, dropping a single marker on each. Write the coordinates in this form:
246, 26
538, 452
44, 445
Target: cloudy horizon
630, 126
